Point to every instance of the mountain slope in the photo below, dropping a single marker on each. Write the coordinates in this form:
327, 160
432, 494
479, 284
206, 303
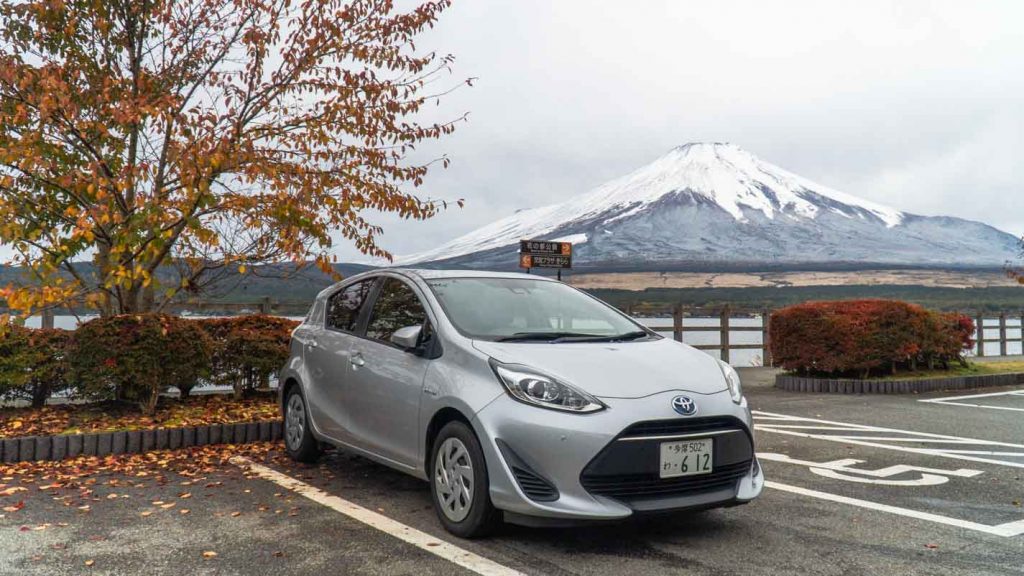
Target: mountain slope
713, 204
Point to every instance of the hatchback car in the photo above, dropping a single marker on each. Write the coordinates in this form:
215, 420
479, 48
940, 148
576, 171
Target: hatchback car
516, 397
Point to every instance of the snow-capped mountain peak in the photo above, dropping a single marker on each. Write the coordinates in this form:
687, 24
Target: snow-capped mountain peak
722, 173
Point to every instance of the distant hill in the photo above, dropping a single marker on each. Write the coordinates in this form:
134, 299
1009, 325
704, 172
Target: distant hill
281, 282
714, 206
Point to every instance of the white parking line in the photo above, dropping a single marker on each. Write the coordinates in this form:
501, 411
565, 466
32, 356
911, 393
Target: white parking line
959, 400
1007, 530
421, 540
890, 438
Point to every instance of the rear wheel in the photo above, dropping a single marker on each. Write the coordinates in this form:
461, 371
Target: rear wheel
459, 485
298, 438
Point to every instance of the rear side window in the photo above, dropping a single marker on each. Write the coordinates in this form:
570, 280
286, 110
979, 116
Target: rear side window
396, 307
344, 306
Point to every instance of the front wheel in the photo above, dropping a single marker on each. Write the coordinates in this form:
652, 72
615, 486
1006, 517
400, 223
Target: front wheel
458, 483
298, 438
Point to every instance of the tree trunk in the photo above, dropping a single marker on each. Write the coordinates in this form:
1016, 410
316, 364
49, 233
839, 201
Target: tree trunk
40, 393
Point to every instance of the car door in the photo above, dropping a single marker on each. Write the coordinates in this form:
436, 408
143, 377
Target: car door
327, 356
387, 380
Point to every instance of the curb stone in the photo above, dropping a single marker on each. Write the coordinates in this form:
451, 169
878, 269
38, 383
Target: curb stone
62, 446
793, 383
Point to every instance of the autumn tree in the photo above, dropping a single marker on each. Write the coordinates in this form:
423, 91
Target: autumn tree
204, 137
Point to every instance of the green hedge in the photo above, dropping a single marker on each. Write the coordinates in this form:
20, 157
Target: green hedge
135, 358
247, 350
33, 364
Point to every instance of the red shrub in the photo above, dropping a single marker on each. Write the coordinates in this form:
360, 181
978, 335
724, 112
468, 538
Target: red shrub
136, 357
861, 336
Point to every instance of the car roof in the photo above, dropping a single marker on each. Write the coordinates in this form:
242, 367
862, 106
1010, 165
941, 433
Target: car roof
431, 274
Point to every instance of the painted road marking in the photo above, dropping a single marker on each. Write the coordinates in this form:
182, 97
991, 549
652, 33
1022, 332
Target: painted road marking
891, 439
959, 400
1007, 530
843, 470
987, 451
421, 540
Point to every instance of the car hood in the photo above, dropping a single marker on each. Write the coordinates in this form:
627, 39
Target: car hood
616, 369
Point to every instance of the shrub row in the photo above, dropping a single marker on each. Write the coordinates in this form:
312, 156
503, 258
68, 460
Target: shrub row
861, 337
136, 358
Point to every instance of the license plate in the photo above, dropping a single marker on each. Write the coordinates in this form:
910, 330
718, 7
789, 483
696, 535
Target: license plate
686, 458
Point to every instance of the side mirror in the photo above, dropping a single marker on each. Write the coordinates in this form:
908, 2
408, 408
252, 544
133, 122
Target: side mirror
408, 337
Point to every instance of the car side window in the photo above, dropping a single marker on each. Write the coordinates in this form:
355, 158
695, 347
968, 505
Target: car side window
397, 306
343, 307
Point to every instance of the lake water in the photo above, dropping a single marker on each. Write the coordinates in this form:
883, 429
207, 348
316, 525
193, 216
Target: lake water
737, 357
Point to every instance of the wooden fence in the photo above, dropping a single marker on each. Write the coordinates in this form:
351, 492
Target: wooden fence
725, 329
262, 306
981, 324
679, 326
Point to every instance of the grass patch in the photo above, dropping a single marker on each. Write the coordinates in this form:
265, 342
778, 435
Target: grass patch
117, 416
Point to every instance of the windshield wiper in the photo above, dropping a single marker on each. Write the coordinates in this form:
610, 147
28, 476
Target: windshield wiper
570, 337
634, 335
542, 336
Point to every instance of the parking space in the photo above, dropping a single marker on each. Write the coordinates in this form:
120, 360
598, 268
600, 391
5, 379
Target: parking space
961, 482
1012, 400
857, 485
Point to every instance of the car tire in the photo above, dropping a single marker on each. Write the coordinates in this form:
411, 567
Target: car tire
455, 448
299, 442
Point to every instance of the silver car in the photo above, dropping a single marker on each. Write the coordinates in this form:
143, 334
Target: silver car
518, 398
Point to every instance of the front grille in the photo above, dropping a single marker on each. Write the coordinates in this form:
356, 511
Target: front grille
627, 469
534, 486
681, 426
629, 486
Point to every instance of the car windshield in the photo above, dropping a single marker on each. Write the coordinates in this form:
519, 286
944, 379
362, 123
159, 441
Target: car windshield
510, 309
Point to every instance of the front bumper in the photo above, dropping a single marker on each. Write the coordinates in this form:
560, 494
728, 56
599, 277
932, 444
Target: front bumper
604, 466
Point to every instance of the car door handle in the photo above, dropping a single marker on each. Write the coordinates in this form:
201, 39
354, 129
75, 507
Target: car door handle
357, 360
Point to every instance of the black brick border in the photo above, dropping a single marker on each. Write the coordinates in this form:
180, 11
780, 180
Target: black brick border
792, 383
59, 447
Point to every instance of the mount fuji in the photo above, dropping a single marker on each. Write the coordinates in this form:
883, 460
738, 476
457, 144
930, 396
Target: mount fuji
717, 206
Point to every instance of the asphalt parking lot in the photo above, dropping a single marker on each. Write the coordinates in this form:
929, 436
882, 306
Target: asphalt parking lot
928, 484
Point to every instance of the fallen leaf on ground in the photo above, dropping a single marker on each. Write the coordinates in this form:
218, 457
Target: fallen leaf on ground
90, 562
209, 554
931, 546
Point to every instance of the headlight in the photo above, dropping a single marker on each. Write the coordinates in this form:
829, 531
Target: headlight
532, 387
732, 380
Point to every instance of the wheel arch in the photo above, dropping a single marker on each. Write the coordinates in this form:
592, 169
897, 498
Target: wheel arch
286, 387
440, 418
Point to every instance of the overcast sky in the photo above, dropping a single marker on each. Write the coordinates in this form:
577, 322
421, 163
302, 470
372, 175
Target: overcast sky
919, 105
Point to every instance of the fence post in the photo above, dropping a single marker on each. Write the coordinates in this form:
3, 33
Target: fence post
677, 322
724, 337
980, 327
47, 318
265, 305
766, 349
1002, 333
